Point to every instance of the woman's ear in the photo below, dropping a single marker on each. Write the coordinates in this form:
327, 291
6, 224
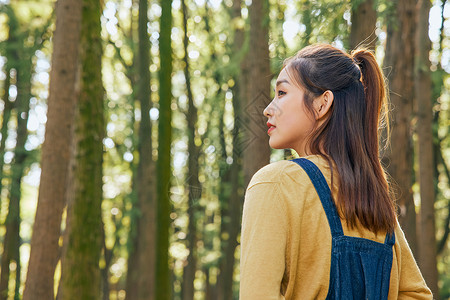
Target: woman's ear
323, 103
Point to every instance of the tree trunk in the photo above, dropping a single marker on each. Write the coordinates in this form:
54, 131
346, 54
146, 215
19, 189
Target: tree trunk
108, 255
132, 284
231, 209
8, 243
163, 166
22, 105
11, 62
80, 264
145, 250
364, 19
55, 152
442, 244
212, 284
424, 110
398, 64
8, 107
12, 238
193, 184
256, 150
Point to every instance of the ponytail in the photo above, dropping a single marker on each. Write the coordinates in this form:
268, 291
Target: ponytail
375, 118
349, 136
375, 93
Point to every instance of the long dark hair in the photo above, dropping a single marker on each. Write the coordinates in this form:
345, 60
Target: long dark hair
349, 134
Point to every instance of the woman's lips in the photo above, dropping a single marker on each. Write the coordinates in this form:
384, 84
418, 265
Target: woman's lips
271, 127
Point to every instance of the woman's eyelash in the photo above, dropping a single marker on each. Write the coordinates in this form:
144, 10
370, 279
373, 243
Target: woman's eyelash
281, 93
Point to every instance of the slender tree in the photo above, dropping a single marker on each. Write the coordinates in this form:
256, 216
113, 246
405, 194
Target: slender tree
55, 152
163, 166
231, 208
132, 71
11, 244
193, 184
213, 286
398, 65
7, 109
424, 110
145, 182
80, 263
11, 56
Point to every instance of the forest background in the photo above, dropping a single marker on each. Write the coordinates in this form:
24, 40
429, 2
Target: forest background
130, 129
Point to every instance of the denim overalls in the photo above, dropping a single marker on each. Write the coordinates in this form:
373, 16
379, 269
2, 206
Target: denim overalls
360, 268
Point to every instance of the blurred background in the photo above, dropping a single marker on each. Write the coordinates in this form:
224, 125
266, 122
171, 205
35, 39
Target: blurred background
130, 130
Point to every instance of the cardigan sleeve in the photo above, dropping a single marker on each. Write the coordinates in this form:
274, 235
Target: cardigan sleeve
263, 243
411, 284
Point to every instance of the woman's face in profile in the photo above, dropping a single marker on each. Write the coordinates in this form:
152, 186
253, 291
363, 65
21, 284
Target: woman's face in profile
289, 122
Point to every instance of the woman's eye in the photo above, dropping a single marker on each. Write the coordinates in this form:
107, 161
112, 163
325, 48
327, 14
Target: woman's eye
281, 93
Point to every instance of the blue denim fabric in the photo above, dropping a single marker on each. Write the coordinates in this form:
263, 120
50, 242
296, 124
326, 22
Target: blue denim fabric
360, 268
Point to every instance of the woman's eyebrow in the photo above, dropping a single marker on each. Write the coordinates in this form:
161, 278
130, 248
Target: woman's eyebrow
282, 81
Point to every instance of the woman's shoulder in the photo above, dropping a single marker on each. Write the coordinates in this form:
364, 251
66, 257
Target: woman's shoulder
277, 171
269, 173
285, 171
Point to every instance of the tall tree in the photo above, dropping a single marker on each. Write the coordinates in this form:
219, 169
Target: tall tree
231, 208
55, 152
24, 69
257, 150
398, 65
364, 19
145, 251
80, 277
424, 111
7, 109
213, 286
132, 72
11, 60
9, 242
193, 183
163, 166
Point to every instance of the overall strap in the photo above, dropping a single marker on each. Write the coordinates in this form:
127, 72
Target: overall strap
390, 239
321, 186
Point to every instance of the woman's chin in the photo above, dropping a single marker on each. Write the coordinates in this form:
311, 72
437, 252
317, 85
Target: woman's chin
274, 145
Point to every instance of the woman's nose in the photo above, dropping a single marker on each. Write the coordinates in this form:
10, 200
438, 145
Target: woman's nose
268, 110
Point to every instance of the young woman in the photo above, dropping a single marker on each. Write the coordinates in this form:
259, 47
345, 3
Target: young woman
327, 107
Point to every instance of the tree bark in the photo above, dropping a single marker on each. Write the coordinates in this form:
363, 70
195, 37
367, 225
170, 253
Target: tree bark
80, 264
256, 150
132, 284
424, 110
7, 109
163, 166
193, 184
11, 244
398, 65
8, 242
213, 286
55, 152
145, 184
8, 106
107, 256
231, 209
364, 19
